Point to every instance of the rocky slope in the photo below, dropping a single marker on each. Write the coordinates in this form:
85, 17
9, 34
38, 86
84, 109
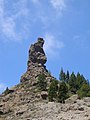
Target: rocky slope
25, 101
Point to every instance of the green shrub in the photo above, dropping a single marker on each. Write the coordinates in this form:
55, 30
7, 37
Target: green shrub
42, 84
84, 91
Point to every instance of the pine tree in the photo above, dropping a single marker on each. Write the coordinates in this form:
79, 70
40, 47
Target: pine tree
72, 83
62, 75
84, 91
52, 92
62, 92
67, 76
79, 80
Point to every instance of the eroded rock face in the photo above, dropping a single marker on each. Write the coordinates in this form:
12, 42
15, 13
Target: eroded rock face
36, 53
26, 102
36, 61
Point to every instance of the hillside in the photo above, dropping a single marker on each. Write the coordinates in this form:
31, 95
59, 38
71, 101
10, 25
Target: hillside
29, 99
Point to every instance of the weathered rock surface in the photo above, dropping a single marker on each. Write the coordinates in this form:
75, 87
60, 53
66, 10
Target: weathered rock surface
24, 105
36, 53
26, 102
36, 61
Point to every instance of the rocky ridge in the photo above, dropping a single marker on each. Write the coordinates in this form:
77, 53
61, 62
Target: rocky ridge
24, 101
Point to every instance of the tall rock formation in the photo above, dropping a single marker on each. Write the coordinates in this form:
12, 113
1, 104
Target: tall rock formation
36, 61
26, 101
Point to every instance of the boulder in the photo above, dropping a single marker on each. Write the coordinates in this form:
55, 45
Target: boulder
44, 95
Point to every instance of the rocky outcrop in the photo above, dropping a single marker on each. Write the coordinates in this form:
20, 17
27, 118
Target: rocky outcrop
26, 102
36, 61
36, 53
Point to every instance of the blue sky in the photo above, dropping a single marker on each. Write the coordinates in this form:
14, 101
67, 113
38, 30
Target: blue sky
65, 26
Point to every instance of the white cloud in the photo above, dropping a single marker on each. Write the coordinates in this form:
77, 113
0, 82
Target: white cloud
8, 28
46, 14
58, 4
17, 19
52, 45
36, 1
9, 24
2, 87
